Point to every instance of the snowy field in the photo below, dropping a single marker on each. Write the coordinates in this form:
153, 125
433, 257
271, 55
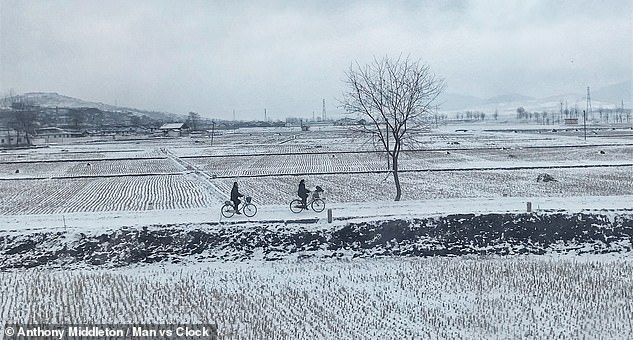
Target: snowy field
96, 188
167, 174
534, 297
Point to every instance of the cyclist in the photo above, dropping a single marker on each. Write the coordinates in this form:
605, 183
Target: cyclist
317, 191
303, 193
235, 197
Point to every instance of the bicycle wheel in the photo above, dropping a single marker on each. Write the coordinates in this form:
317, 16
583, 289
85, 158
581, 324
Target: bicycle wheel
250, 210
296, 206
318, 205
227, 210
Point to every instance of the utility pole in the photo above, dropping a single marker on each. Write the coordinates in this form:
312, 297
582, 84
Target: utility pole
323, 114
584, 112
589, 109
212, 130
265, 119
234, 124
561, 111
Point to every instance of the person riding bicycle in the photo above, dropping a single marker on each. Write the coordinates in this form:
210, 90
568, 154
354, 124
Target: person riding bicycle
235, 197
303, 193
317, 192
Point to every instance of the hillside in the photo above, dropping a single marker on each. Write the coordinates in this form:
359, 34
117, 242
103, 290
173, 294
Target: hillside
52, 99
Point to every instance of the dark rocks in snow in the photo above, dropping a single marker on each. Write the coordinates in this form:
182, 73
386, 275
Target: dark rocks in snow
544, 177
602, 152
453, 235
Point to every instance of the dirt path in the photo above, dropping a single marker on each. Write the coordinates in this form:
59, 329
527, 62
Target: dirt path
201, 175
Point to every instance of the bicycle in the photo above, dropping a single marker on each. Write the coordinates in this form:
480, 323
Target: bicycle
248, 208
315, 202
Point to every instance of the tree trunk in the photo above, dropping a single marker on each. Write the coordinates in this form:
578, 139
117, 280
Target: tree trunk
396, 180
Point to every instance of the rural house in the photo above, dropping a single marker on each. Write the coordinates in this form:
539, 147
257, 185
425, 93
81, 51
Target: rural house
10, 137
56, 135
174, 129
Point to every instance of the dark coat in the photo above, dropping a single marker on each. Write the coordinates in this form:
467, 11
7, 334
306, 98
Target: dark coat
235, 194
302, 192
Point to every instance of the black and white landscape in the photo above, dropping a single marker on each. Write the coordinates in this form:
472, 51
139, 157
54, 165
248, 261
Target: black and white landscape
476, 161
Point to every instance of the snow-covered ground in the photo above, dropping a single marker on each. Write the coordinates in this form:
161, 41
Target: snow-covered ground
525, 297
341, 213
100, 188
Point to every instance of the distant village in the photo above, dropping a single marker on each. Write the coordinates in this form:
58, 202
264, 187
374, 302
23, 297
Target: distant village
25, 125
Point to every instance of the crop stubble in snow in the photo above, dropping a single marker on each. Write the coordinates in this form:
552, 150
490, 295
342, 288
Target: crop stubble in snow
423, 298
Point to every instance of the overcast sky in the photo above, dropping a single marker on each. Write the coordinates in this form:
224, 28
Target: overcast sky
214, 57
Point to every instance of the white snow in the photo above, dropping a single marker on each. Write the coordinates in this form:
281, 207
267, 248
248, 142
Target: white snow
86, 221
533, 297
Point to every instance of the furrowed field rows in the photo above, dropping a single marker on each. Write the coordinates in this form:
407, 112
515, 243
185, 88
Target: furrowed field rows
183, 191
140, 193
78, 152
282, 164
90, 168
591, 153
434, 159
229, 150
38, 196
39, 169
334, 162
128, 166
104, 194
316, 163
438, 185
569, 182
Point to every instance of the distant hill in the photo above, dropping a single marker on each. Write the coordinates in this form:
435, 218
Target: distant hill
615, 93
508, 98
52, 99
606, 97
453, 101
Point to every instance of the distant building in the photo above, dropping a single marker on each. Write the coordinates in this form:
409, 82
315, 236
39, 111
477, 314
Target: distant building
56, 135
571, 121
174, 129
10, 137
349, 121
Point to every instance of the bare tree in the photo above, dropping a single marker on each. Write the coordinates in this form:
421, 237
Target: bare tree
76, 117
396, 95
8, 99
521, 113
193, 119
22, 118
25, 121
